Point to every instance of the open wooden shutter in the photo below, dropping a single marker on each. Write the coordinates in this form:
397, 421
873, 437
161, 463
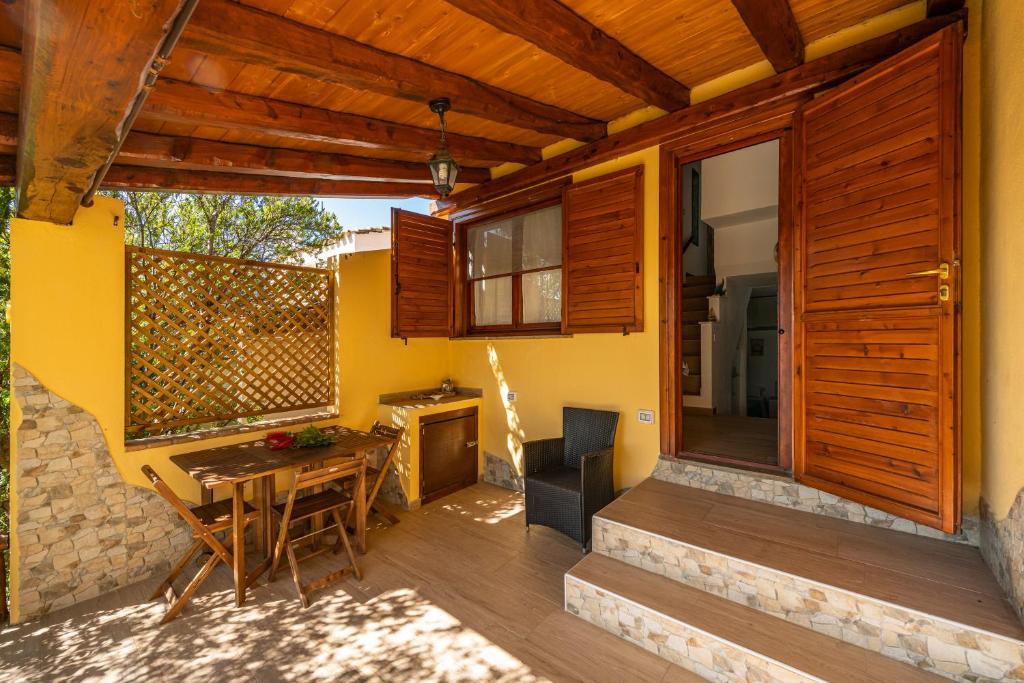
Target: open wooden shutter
422, 264
603, 254
879, 350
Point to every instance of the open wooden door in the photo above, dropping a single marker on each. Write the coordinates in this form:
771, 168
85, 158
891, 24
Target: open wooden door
422, 274
878, 286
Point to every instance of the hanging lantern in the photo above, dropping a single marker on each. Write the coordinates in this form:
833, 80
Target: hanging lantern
442, 166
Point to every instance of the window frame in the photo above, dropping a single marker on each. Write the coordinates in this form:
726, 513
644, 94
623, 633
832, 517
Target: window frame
465, 284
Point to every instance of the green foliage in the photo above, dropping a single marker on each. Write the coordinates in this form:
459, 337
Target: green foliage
274, 229
311, 437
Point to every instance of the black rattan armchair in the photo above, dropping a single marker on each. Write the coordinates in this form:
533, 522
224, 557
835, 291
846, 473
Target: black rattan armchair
568, 479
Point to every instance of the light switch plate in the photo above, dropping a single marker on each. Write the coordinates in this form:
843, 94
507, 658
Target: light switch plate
645, 416
512, 396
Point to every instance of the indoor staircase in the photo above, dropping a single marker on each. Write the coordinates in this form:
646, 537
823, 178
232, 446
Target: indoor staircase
696, 290
738, 590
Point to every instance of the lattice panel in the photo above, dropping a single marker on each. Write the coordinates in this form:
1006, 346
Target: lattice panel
211, 339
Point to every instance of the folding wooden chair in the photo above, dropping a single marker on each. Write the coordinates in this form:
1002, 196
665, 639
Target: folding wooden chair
377, 475
205, 520
327, 501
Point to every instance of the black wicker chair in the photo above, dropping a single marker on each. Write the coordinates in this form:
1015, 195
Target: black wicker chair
568, 479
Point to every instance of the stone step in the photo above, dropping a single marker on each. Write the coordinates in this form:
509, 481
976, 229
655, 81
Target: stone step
922, 601
715, 637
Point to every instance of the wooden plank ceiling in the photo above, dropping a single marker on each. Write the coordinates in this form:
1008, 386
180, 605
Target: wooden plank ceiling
336, 90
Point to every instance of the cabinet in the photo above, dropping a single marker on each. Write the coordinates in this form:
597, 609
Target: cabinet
448, 452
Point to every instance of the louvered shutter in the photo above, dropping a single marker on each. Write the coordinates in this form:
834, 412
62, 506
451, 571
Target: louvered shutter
879, 215
602, 247
422, 263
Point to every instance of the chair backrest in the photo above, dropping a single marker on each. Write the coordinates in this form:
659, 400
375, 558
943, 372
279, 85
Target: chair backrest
585, 431
343, 470
385, 431
171, 497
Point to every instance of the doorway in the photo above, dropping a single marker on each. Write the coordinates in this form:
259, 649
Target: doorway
729, 307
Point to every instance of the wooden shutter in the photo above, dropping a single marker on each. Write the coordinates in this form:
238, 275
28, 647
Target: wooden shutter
422, 263
603, 254
880, 203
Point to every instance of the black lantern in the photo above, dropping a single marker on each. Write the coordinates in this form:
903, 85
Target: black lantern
442, 167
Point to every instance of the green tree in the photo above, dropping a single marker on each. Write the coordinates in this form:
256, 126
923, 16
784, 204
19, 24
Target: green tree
261, 228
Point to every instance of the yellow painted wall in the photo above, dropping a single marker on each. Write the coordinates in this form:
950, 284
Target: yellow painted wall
607, 371
1002, 249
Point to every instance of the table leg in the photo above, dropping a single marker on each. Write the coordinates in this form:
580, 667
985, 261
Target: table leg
238, 532
270, 486
360, 501
259, 499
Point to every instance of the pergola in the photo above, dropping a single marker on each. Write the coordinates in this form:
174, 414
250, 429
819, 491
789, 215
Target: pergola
328, 97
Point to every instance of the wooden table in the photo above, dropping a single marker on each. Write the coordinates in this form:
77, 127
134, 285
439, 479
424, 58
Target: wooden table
253, 461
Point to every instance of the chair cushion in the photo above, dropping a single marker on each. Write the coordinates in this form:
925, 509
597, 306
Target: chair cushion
564, 479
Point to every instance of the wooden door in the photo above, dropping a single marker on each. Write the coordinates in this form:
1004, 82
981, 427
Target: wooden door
879, 195
448, 453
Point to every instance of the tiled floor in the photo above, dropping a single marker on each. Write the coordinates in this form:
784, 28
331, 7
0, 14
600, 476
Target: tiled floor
458, 591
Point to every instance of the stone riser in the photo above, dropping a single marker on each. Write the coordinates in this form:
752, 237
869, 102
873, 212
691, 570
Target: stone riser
946, 648
705, 654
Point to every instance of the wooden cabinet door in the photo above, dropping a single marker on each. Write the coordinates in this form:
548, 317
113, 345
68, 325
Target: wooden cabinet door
878, 382
448, 453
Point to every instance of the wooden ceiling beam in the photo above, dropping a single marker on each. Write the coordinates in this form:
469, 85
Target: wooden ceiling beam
228, 29
162, 179
165, 151
559, 31
84, 65
177, 102
773, 26
799, 82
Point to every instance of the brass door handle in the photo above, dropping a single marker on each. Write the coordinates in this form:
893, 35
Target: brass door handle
471, 444
942, 271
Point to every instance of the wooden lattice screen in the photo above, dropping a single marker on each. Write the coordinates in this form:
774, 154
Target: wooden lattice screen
210, 339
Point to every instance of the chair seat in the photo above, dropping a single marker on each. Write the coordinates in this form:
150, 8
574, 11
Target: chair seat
307, 506
217, 515
562, 478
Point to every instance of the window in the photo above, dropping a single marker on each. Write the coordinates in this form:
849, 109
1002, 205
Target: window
514, 272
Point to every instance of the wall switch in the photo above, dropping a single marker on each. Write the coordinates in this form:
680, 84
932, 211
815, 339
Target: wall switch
512, 397
645, 416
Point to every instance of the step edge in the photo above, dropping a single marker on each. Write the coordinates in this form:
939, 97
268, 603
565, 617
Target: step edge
815, 583
719, 639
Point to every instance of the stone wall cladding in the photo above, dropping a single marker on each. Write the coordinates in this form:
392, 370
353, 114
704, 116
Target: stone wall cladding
80, 529
943, 647
501, 473
695, 650
1002, 546
391, 490
785, 492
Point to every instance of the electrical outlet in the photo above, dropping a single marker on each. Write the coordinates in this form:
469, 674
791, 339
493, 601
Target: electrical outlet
645, 416
512, 396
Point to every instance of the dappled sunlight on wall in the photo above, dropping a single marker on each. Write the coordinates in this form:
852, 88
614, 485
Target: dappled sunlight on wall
514, 438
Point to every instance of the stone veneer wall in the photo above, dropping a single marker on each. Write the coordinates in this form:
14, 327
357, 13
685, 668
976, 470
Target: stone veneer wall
80, 529
703, 653
499, 472
785, 492
1002, 546
391, 490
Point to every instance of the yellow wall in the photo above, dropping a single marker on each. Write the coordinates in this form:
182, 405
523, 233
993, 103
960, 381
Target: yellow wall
1002, 248
608, 371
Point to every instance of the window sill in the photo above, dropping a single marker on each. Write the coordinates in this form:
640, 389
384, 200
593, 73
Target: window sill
207, 434
503, 337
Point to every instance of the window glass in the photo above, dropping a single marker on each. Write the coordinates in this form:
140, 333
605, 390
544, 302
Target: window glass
542, 297
492, 302
524, 242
